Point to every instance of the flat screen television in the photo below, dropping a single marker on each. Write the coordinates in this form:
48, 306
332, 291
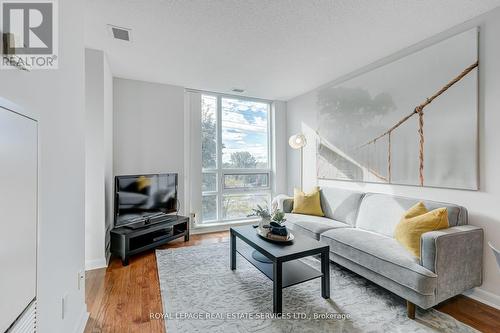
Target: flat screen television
140, 197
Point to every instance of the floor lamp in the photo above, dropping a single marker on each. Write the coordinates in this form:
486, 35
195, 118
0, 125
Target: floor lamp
298, 141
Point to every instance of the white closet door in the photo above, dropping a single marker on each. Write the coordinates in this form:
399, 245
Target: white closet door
18, 214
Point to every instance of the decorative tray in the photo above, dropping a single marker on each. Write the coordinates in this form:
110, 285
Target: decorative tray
263, 232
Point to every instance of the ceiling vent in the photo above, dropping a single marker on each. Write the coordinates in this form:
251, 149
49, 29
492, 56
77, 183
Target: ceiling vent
120, 33
238, 90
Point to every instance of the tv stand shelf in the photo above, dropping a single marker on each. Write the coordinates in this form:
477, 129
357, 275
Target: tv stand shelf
126, 242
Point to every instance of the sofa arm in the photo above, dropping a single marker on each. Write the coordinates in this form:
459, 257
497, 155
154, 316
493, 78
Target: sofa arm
282, 202
456, 256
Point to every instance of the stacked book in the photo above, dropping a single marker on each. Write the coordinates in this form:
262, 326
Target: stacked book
272, 236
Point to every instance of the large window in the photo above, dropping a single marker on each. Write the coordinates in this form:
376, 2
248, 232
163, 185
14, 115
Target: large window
235, 157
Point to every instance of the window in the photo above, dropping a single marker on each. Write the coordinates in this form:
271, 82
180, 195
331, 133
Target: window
235, 157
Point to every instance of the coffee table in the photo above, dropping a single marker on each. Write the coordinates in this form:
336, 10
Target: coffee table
284, 270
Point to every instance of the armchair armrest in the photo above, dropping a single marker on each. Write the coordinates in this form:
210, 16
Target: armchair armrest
456, 256
282, 202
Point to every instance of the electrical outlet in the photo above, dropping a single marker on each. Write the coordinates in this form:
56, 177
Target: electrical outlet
81, 279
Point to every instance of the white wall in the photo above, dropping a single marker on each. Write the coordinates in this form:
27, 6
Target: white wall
149, 129
157, 129
192, 158
280, 140
56, 98
482, 204
98, 157
109, 184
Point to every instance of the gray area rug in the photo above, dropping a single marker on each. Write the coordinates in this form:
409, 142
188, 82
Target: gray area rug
201, 294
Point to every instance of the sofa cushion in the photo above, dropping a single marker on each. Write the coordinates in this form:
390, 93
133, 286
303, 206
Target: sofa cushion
382, 212
341, 205
312, 226
382, 255
307, 203
416, 222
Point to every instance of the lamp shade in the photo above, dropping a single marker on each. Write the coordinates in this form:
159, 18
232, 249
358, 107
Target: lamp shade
297, 141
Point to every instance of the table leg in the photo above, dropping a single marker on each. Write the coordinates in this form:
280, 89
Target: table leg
232, 241
186, 236
125, 261
325, 279
277, 287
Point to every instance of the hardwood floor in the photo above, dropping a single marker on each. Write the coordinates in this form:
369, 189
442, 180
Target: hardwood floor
120, 299
473, 313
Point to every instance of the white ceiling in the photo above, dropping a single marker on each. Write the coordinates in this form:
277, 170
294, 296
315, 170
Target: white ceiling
274, 49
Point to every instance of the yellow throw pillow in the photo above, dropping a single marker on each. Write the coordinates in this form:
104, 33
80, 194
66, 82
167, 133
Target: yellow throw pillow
309, 204
417, 221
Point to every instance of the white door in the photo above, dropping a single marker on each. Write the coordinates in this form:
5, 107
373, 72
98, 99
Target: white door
18, 214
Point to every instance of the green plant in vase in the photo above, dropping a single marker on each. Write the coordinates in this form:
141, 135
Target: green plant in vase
278, 223
278, 217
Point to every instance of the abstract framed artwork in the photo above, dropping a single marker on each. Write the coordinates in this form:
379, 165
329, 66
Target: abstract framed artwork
413, 121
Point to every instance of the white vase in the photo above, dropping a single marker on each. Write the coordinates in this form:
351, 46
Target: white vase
264, 221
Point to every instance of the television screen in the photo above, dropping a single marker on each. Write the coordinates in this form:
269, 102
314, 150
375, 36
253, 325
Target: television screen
144, 195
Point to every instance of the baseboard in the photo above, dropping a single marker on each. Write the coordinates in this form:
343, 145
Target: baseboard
95, 264
205, 229
484, 296
82, 322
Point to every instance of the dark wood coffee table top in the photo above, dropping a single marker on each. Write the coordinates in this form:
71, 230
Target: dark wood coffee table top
300, 247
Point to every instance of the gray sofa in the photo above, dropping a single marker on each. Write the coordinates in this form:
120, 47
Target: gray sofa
359, 228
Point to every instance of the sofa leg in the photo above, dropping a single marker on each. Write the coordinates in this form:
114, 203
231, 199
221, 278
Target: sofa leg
410, 308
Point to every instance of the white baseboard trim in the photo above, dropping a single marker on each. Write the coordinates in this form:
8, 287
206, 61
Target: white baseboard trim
82, 322
484, 296
95, 264
205, 229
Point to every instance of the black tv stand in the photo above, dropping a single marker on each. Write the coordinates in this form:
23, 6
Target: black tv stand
126, 241
147, 222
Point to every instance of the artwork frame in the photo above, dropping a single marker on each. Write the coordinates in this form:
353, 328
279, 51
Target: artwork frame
390, 125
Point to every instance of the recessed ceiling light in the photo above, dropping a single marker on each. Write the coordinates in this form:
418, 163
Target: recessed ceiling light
238, 90
120, 33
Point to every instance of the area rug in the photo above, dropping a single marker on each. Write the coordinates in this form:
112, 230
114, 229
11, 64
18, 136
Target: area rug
201, 294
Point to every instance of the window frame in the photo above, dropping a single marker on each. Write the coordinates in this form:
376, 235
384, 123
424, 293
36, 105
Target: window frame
238, 172
220, 171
